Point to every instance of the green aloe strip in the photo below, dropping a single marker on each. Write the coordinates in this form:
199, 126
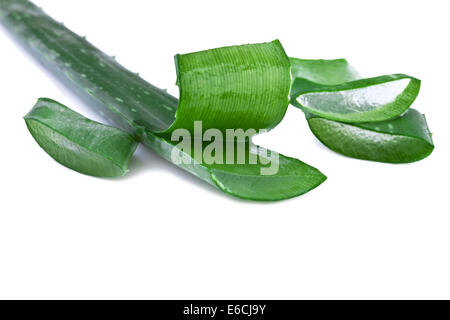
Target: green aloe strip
227, 88
244, 87
361, 132
78, 143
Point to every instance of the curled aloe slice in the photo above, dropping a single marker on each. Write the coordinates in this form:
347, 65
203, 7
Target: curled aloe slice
79, 143
293, 177
322, 72
330, 89
244, 87
401, 140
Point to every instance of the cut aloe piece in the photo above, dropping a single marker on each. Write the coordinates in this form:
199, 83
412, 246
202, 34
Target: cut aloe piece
401, 140
398, 140
332, 89
227, 88
78, 143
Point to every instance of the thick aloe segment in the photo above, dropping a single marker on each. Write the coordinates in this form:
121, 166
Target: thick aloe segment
365, 100
332, 89
401, 140
248, 84
78, 143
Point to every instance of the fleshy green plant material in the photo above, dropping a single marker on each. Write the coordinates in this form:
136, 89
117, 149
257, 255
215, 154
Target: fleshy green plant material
364, 100
405, 138
243, 87
253, 84
401, 140
78, 143
321, 72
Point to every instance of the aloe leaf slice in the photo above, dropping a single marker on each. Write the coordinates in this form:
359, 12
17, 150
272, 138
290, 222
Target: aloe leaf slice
317, 90
401, 140
251, 82
78, 143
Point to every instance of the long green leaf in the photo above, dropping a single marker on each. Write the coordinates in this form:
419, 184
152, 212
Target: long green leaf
244, 87
78, 143
251, 83
364, 100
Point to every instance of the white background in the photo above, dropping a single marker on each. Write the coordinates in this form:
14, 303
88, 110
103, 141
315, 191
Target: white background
372, 230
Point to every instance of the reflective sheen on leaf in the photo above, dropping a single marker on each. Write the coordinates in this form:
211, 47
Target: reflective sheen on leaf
79, 143
317, 90
401, 140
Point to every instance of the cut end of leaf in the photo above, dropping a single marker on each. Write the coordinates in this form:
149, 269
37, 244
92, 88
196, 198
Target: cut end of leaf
323, 72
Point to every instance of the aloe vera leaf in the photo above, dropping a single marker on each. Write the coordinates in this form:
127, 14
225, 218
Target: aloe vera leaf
401, 140
78, 143
332, 90
149, 113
